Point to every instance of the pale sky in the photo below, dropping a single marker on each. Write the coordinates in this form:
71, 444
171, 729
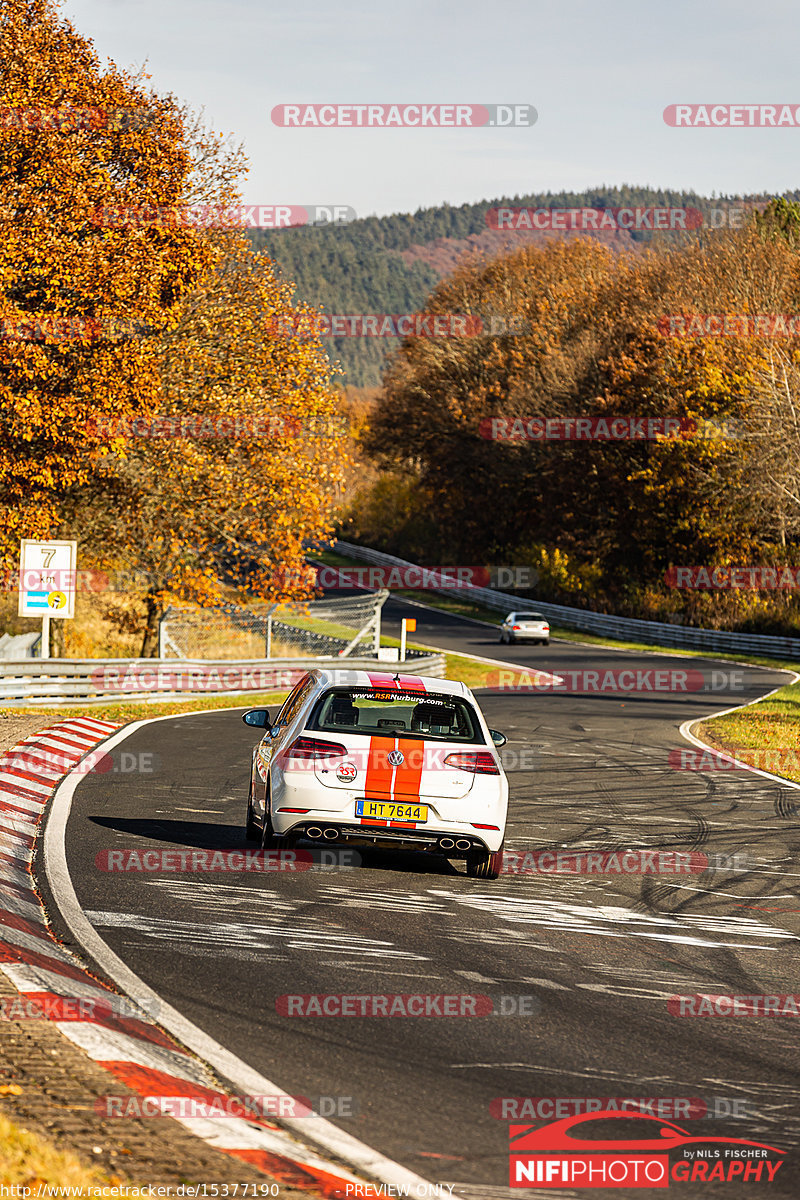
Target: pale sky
599, 75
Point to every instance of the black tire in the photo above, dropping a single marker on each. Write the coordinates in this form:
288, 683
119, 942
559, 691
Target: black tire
512, 641
545, 641
269, 839
502, 639
252, 830
482, 865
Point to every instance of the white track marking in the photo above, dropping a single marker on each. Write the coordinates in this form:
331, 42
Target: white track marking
613, 921
11, 902
235, 1133
26, 978
109, 1045
30, 785
246, 1079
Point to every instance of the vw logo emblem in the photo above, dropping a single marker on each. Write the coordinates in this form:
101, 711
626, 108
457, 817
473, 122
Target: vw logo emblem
396, 757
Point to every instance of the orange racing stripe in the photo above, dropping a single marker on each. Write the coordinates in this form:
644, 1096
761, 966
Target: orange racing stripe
378, 783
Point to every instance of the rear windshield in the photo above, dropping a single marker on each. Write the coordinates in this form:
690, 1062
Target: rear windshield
373, 712
529, 617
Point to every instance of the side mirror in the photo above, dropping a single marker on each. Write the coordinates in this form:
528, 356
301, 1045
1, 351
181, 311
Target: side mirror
258, 717
498, 738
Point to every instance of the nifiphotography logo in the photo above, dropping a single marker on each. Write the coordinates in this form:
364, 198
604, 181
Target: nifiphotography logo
624, 1149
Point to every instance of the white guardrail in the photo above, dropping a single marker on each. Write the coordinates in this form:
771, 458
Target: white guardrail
58, 681
624, 628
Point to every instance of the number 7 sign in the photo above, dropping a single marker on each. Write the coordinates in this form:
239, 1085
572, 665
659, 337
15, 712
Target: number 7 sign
47, 579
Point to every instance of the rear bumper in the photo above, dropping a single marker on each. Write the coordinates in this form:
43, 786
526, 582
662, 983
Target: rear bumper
453, 843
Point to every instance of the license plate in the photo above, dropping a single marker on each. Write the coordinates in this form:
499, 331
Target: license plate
383, 811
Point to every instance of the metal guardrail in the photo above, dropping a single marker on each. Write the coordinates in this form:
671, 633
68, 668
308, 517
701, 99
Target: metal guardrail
59, 681
624, 628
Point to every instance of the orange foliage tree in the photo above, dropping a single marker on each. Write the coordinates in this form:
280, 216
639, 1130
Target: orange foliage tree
107, 322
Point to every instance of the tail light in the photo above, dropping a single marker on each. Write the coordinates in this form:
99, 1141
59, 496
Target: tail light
515, 626
309, 747
480, 762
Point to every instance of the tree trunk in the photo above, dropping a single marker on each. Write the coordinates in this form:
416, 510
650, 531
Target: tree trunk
155, 611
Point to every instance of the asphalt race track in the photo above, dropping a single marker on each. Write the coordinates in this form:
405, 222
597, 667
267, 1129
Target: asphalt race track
599, 954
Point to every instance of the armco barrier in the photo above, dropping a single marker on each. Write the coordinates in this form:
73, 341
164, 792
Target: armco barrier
58, 681
623, 628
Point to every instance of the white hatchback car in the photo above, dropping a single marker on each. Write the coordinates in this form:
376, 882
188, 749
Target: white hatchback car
525, 626
375, 759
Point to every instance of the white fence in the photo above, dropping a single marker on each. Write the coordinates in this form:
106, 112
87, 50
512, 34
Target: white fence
59, 681
345, 626
624, 628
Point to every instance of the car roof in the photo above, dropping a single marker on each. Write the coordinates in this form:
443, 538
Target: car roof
386, 679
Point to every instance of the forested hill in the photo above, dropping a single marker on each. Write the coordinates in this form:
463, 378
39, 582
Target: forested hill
389, 264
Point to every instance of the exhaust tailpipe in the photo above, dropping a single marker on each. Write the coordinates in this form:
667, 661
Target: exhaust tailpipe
446, 843
331, 834
463, 844
314, 831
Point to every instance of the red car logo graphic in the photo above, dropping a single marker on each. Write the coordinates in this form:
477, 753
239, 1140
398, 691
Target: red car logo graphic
656, 1135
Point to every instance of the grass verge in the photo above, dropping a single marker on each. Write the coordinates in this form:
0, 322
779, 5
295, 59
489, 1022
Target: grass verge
765, 735
26, 1159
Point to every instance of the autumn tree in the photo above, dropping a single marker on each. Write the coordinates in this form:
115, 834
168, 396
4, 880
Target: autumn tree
532, 344
118, 310
606, 339
240, 466
76, 140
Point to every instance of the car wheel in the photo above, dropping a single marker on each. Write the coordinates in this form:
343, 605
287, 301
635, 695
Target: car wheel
502, 639
482, 865
512, 641
545, 641
252, 831
269, 839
